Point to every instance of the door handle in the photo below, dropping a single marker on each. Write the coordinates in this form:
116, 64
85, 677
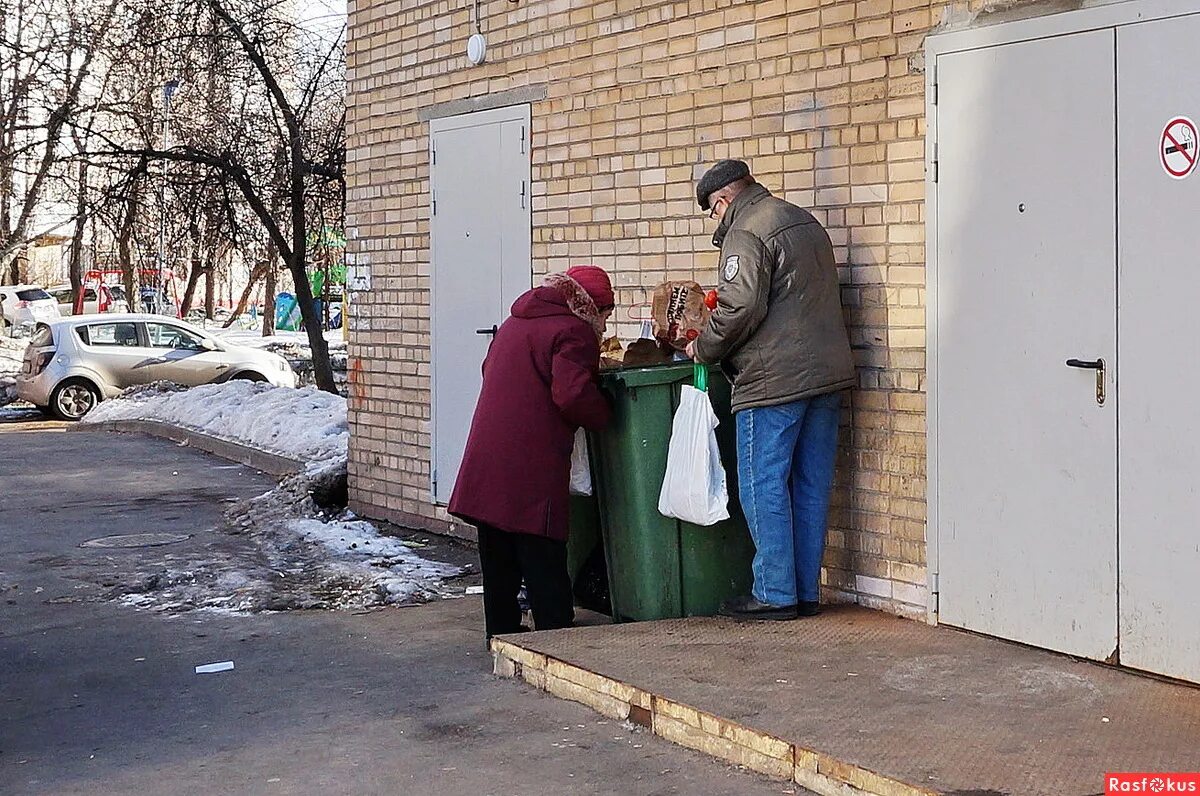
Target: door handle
491, 331
222, 367
1098, 366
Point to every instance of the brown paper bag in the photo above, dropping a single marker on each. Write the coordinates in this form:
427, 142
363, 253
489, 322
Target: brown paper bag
679, 313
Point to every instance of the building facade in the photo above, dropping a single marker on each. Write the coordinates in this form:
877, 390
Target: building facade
603, 113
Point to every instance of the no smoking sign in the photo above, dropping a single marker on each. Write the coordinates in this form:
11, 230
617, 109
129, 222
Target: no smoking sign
1178, 147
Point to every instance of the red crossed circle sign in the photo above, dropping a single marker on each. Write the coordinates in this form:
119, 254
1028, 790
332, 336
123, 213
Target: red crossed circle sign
1178, 147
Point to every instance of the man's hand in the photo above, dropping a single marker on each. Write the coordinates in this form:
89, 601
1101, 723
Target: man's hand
691, 349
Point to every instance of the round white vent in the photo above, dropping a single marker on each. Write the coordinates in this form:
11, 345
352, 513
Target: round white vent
477, 49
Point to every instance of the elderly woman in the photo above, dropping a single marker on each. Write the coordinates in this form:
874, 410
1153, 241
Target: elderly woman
539, 387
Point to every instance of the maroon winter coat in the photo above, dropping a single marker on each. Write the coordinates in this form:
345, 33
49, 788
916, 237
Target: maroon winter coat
539, 387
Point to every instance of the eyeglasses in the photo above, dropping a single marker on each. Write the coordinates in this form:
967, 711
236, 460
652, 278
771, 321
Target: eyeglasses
713, 212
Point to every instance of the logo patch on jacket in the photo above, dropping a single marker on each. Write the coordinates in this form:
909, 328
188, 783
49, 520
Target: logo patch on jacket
733, 264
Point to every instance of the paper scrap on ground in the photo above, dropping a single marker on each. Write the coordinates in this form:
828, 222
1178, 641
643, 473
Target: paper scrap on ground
213, 668
474, 590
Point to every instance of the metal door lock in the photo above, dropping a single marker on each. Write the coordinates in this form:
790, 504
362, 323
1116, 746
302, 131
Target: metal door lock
1098, 366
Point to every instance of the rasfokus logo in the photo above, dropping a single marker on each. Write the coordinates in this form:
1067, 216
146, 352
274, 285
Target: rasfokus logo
1151, 783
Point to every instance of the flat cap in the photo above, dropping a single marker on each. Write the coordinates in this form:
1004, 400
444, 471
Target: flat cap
716, 178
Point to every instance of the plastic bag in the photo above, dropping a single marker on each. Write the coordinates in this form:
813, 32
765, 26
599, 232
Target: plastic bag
694, 489
581, 468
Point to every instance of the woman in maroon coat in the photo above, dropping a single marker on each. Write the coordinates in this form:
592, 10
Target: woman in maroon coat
539, 387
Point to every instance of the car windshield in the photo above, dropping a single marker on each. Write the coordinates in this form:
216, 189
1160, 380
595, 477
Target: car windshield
33, 294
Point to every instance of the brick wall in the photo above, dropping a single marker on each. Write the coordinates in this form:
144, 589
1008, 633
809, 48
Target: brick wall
824, 100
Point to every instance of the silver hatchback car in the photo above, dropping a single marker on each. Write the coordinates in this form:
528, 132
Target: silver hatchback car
73, 364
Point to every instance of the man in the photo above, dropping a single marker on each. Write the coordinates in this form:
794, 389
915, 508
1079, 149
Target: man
779, 334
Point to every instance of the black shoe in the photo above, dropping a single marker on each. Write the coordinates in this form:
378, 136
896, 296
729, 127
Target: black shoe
750, 608
809, 608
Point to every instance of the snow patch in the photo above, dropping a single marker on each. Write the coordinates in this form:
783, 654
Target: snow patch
304, 424
253, 338
12, 355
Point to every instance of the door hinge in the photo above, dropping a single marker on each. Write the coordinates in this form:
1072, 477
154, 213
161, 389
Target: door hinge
433, 201
432, 155
522, 139
935, 94
435, 483
522, 194
934, 164
936, 583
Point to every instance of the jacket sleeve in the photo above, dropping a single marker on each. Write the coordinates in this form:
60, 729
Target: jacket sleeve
573, 385
745, 287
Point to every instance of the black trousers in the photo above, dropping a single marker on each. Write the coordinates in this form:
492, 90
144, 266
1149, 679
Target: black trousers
507, 558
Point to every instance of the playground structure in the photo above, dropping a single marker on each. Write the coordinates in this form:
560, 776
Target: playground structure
102, 281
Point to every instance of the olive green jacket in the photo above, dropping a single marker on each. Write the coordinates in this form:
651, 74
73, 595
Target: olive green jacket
778, 330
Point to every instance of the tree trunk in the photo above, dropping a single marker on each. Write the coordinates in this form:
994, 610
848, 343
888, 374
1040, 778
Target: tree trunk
210, 288
125, 248
195, 269
297, 264
268, 319
194, 274
75, 254
240, 309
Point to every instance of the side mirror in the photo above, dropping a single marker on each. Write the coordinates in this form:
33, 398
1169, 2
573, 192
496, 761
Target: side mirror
209, 345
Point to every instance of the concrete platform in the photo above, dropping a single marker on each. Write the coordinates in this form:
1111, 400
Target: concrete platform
856, 701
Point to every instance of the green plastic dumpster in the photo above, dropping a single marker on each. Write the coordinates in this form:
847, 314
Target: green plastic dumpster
658, 567
584, 532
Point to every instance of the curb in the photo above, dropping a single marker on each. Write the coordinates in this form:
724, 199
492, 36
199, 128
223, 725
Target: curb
270, 463
694, 729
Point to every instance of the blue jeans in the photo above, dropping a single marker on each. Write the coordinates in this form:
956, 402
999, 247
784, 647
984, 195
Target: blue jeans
786, 458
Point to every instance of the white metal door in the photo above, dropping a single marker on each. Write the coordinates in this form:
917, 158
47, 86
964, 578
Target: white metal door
1160, 385
1024, 456
481, 261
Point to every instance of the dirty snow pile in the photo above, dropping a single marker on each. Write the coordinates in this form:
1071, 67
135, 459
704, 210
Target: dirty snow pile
12, 353
291, 564
403, 576
294, 547
306, 424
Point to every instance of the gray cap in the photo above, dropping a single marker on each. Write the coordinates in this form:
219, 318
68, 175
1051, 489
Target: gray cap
716, 178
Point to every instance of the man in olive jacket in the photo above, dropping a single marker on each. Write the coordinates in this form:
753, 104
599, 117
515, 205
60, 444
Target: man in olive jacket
779, 334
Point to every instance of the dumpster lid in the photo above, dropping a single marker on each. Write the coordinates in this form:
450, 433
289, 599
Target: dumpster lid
673, 373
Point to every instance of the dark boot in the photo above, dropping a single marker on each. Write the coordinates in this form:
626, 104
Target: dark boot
750, 608
809, 608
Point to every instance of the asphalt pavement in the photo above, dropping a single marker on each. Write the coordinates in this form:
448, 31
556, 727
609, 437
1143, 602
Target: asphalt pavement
99, 697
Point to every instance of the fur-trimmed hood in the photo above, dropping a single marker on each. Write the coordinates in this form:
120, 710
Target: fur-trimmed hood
560, 294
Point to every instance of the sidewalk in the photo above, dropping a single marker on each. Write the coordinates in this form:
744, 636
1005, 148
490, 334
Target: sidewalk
858, 701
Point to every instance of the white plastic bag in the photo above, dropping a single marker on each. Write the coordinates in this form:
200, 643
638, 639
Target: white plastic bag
694, 489
581, 468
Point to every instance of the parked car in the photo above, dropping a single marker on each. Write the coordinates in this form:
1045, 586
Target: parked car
25, 305
74, 363
95, 300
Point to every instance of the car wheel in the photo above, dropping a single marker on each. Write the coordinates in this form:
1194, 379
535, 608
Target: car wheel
249, 375
73, 399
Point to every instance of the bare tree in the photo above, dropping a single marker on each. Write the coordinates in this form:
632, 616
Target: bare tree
47, 53
268, 125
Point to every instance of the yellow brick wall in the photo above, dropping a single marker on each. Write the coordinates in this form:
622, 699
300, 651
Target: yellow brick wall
825, 100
